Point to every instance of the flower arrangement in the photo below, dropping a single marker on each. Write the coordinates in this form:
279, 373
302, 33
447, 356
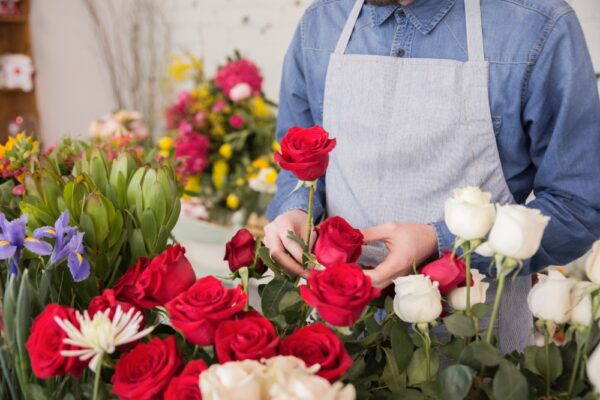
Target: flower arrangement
120, 130
220, 138
153, 330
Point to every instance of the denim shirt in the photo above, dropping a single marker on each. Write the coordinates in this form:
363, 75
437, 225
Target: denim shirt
542, 91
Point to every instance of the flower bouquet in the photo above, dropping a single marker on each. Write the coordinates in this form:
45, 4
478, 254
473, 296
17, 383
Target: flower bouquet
220, 138
120, 130
146, 328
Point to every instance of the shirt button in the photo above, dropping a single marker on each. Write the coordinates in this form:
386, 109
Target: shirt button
401, 13
400, 53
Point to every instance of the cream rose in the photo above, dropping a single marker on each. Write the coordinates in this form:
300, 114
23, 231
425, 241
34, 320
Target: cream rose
550, 298
593, 369
516, 233
469, 214
457, 298
592, 263
303, 386
581, 304
417, 299
238, 380
240, 92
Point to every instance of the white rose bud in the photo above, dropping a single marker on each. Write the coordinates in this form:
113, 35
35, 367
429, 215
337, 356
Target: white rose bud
303, 386
517, 232
593, 369
469, 214
457, 298
581, 304
550, 297
239, 380
417, 299
240, 92
592, 263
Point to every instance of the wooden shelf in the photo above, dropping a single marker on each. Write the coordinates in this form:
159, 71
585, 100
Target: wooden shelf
18, 19
13, 91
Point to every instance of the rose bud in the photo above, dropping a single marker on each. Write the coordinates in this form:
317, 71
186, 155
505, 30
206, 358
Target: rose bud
240, 252
417, 300
337, 242
449, 271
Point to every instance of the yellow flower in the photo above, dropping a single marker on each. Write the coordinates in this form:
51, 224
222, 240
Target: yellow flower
192, 185
179, 69
276, 146
226, 151
232, 201
260, 107
260, 163
240, 181
271, 177
165, 143
219, 173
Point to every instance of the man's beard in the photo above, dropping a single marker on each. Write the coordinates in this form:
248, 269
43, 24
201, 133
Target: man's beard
383, 2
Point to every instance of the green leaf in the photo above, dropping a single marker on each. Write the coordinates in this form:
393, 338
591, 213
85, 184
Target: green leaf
265, 256
460, 325
456, 382
479, 310
529, 357
95, 208
36, 392
402, 346
556, 364
136, 244
291, 235
482, 352
27, 308
9, 308
87, 226
392, 376
417, 369
509, 383
149, 228
272, 295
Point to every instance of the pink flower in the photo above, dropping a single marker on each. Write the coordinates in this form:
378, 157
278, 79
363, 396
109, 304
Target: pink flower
241, 71
219, 106
191, 149
236, 121
18, 190
185, 128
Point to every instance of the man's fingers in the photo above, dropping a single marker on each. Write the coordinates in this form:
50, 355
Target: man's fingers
290, 265
292, 247
384, 273
377, 233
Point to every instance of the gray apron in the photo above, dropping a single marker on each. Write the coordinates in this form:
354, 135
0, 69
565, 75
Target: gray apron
409, 131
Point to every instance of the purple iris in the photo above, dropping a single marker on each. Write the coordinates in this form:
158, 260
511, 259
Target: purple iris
68, 245
13, 239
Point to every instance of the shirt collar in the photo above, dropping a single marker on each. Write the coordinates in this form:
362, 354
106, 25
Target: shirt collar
423, 14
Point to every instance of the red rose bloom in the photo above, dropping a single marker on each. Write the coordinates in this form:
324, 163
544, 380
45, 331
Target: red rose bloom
448, 271
250, 338
144, 372
125, 289
305, 152
317, 344
185, 386
46, 342
337, 242
340, 293
198, 311
167, 275
240, 252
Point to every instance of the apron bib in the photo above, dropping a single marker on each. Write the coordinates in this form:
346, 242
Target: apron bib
409, 131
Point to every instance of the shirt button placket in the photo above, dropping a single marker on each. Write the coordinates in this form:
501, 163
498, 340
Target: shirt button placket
401, 18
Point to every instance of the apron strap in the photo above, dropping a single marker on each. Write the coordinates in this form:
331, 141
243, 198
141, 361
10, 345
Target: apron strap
473, 24
474, 30
349, 27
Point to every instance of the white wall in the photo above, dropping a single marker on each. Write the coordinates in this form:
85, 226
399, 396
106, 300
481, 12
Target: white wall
72, 83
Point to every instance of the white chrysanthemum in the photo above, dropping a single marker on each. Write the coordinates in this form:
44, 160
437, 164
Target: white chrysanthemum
100, 335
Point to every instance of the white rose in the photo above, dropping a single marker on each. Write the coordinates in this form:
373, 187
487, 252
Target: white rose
457, 298
517, 232
417, 299
593, 369
240, 92
303, 386
550, 298
239, 380
592, 263
469, 214
581, 304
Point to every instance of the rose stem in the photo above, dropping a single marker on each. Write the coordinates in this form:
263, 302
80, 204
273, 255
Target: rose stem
309, 222
467, 254
547, 351
499, 290
578, 355
97, 379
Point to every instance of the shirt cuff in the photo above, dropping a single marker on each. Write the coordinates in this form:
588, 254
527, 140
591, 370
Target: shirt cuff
296, 201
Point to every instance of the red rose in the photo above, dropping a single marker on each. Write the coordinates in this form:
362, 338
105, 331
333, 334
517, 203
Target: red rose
144, 372
125, 289
250, 338
305, 152
448, 271
317, 344
240, 252
185, 386
340, 293
108, 300
167, 275
198, 311
337, 242
46, 342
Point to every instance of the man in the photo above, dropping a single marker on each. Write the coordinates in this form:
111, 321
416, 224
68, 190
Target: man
431, 95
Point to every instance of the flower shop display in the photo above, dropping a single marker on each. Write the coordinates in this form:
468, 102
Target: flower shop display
16, 72
122, 129
99, 303
10, 8
220, 137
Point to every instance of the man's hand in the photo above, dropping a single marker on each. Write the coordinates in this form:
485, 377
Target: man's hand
283, 249
408, 243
